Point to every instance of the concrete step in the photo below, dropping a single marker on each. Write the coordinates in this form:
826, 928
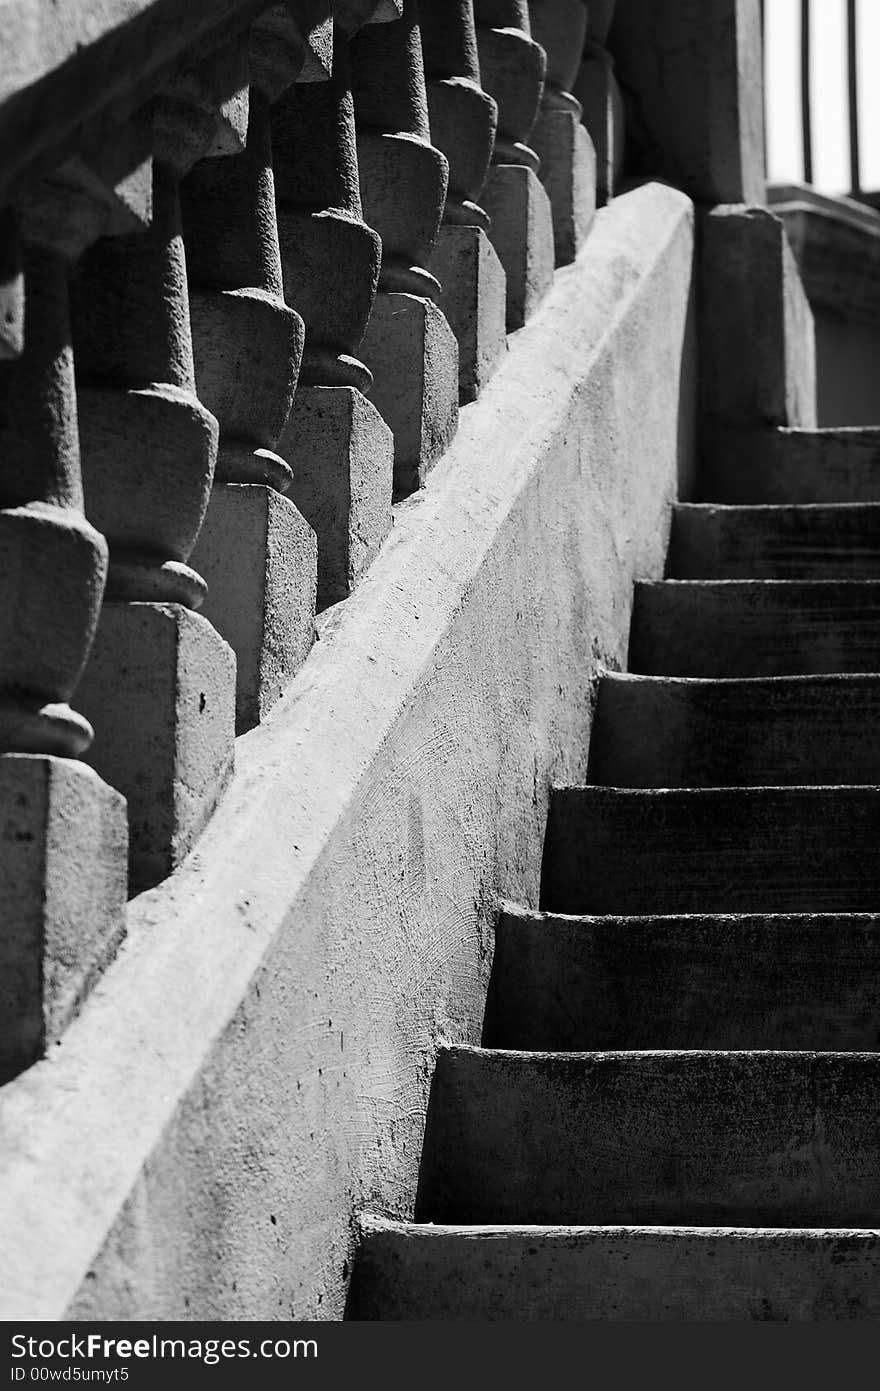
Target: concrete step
755, 627
689, 1138
713, 981
712, 850
796, 466
774, 543
643, 1274
658, 731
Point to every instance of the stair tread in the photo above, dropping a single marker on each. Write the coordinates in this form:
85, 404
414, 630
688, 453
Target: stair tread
725, 981
695, 1137
643, 1272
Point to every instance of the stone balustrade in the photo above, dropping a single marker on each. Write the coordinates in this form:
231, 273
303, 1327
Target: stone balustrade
245, 285
257, 552
568, 158
513, 67
464, 120
409, 346
340, 448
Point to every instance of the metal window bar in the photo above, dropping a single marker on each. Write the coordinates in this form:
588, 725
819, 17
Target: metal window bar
855, 179
806, 109
852, 77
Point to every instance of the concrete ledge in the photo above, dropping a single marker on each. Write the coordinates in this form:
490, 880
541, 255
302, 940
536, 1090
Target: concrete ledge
254, 1068
836, 243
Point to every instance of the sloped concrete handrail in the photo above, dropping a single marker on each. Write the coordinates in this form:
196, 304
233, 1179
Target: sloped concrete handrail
276, 1006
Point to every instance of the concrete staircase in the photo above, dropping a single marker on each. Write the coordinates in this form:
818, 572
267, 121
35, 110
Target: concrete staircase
676, 1110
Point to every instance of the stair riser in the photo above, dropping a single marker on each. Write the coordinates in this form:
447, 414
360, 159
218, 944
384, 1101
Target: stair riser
711, 629
653, 1275
749, 734
696, 1139
796, 850
748, 982
795, 466
788, 544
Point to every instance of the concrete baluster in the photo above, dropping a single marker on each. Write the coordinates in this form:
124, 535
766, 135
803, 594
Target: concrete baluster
568, 159
463, 121
513, 67
409, 346
597, 90
340, 449
255, 549
291, 42
11, 288
160, 685
63, 842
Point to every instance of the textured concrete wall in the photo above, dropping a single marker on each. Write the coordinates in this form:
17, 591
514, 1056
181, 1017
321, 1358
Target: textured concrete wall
254, 1067
847, 353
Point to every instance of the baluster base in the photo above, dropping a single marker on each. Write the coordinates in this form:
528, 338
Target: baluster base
258, 555
63, 872
522, 235
597, 90
412, 353
568, 173
342, 455
159, 689
474, 302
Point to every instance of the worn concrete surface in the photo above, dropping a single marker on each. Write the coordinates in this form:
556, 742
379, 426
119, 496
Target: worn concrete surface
342, 456
512, 70
805, 980
522, 235
258, 555
474, 301
254, 1067
413, 356
774, 543
754, 627
784, 1139
63, 882
662, 731
568, 173
794, 466
757, 356
712, 850
163, 671
644, 1274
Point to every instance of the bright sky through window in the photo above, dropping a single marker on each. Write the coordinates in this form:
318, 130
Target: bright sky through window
829, 93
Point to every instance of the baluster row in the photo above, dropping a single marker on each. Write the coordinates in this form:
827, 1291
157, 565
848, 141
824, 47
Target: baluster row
230, 336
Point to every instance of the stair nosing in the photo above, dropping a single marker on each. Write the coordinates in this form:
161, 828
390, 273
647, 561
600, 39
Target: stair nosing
370, 1222
543, 917
828, 582
527, 1055
796, 678
774, 507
